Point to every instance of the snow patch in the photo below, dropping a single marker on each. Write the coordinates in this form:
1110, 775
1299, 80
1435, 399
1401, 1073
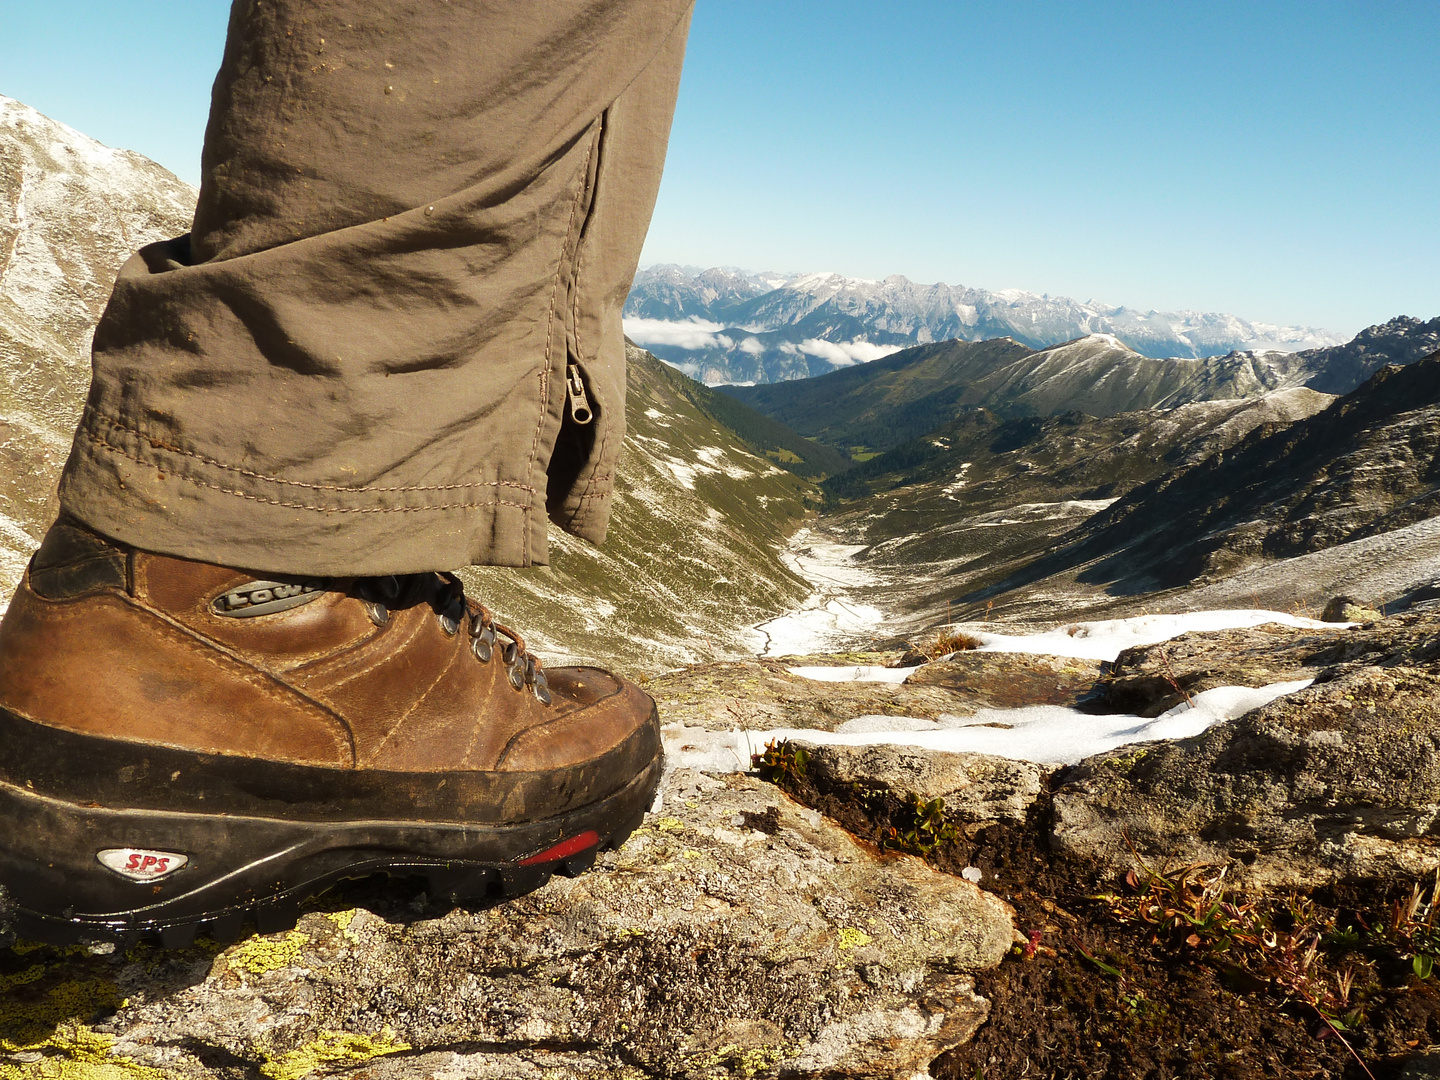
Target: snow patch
856, 673
1048, 734
1105, 640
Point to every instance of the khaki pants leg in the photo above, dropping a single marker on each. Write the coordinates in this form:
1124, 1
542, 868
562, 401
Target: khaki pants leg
414, 217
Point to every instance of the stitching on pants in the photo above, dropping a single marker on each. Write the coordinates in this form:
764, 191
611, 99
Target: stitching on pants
161, 445
304, 506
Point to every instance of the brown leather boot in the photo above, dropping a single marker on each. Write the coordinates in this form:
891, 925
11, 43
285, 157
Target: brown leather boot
182, 744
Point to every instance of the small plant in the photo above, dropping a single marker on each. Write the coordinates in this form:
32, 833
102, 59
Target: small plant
927, 832
780, 762
1172, 680
1413, 928
949, 640
1281, 944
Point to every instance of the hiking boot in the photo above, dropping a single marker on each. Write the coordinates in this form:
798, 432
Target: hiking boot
186, 747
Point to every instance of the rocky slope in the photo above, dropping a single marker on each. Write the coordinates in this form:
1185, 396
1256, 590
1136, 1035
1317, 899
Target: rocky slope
737, 934
1341, 368
741, 933
981, 497
1368, 464
723, 325
71, 210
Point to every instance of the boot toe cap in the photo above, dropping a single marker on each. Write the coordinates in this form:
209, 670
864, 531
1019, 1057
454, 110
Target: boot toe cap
596, 713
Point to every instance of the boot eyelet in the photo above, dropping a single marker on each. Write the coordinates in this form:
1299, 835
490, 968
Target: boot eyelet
449, 625
483, 645
542, 688
517, 676
378, 612
508, 653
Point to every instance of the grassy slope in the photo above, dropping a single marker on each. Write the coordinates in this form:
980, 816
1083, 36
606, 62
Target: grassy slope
781, 444
883, 403
691, 559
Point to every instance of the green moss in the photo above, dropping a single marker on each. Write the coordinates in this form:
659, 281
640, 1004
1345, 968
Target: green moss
342, 921
20, 978
330, 1046
1126, 762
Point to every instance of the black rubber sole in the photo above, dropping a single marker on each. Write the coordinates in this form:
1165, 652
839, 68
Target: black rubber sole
242, 870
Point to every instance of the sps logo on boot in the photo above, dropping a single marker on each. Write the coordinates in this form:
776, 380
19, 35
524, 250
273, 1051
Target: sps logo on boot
141, 864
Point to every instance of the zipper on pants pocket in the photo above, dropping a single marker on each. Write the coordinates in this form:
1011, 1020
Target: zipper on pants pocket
580, 410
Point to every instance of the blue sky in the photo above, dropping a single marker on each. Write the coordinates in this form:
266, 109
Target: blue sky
1280, 160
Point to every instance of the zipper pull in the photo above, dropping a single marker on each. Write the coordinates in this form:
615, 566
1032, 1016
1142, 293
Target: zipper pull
580, 410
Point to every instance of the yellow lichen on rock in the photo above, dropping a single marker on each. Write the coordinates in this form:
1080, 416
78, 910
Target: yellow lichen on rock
37, 1022
74, 1052
262, 954
342, 921
330, 1046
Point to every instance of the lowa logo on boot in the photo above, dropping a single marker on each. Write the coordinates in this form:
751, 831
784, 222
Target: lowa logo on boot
141, 864
265, 597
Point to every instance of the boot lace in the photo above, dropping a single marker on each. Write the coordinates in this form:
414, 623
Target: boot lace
445, 593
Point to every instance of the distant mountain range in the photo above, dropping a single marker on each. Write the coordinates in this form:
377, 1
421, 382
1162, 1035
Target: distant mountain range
724, 325
882, 404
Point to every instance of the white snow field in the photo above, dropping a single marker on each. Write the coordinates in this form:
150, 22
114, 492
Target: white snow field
853, 673
829, 619
1108, 639
1049, 734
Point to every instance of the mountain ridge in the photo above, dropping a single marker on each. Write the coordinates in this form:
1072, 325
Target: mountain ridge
882, 404
769, 327
1367, 464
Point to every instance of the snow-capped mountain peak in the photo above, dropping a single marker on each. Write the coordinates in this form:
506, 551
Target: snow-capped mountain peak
770, 310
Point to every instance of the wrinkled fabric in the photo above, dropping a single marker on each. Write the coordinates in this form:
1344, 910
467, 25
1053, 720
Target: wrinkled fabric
413, 219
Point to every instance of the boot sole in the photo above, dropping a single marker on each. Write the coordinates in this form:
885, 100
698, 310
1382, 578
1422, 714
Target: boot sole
237, 870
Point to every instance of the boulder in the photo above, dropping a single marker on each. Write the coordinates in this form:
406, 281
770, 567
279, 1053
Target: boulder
1348, 609
1338, 781
761, 694
1149, 679
977, 788
996, 680
735, 934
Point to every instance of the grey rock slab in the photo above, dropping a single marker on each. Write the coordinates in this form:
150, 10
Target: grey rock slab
977, 788
1337, 781
762, 694
735, 934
